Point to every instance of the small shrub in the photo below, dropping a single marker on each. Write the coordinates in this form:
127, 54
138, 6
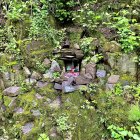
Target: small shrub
86, 45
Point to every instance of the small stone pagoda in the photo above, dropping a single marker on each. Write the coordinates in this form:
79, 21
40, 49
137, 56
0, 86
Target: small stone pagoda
73, 77
72, 57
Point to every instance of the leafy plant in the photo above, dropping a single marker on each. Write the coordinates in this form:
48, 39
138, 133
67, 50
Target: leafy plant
136, 90
62, 123
56, 75
40, 27
62, 9
128, 39
86, 45
40, 66
88, 105
120, 133
89, 91
87, 17
12, 44
134, 113
43, 136
96, 58
118, 90
16, 11
3, 68
25, 87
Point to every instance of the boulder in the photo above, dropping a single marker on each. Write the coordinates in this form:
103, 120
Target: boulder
70, 88
60, 79
30, 81
71, 80
12, 91
41, 84
19, 110
65, 83
46, 62
6, 77
112, 59
36, 75
76, 46
48, 75
79, 54
101, 73
113, 79
16, 67
26, 71
126, 64
88, 76
91, 69
83, 71
81, 80
13, 77
55, 67
57, 86
27, 127
36, 113
112, 46
109, 86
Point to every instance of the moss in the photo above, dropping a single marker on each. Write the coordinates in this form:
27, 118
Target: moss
7, 100
27, 97
113, 109
41, 52
5, 62
52, 21
127, 77
84, 122
35, 49
48, 91
87, 126
1, 95
28, 101
74, 35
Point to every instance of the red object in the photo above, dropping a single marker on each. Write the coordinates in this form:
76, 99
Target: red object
72, 70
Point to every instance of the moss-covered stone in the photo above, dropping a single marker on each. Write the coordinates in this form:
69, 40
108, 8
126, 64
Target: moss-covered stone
74, 35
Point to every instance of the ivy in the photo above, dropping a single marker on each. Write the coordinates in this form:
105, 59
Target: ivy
87, 17
40, 27
62, 9
17, 10
128, 38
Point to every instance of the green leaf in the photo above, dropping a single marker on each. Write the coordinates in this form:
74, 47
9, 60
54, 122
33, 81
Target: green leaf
124, 133
130, 134
136, 137
138, 128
